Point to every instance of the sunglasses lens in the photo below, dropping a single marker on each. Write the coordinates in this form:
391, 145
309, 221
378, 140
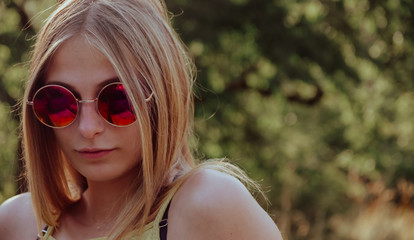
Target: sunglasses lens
55, 106
114, 105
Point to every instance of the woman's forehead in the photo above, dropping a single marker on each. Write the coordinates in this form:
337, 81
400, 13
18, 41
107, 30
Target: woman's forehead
80, 65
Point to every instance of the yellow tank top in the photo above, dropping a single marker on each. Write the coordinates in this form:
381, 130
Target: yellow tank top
151, 230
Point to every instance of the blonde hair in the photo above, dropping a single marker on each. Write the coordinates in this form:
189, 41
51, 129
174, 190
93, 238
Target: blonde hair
150, 59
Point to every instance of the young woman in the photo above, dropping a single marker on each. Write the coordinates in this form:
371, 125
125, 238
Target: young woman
107, 120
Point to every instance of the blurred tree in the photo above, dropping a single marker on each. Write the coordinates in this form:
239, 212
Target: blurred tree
316, 97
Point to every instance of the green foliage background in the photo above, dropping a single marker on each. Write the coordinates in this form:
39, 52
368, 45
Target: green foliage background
315, 97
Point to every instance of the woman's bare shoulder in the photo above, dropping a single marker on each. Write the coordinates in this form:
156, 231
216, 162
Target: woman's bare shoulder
214, 205
17, 218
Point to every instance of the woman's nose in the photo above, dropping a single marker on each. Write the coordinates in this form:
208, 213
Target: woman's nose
91, 123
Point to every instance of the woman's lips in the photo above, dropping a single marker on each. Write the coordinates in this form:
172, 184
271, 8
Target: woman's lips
94, 153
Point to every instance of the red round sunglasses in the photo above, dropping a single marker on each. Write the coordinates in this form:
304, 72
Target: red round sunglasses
56, 106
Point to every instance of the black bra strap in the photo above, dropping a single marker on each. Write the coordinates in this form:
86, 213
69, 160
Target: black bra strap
164, 224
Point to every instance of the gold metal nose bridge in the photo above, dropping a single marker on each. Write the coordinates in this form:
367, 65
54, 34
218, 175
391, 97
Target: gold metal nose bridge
87, 100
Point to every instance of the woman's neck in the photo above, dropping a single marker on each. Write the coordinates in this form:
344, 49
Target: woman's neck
102, 202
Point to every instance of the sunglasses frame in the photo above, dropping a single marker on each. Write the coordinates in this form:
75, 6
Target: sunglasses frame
79, 101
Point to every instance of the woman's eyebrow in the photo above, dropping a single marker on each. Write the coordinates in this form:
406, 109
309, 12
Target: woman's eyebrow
68, 86
76, 93
106, 82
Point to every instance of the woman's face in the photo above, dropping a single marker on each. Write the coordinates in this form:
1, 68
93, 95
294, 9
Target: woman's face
96, 149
